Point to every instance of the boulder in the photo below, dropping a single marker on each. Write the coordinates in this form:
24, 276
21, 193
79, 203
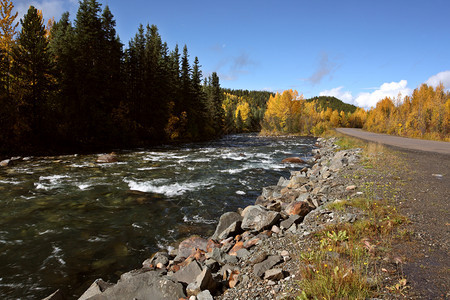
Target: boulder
232, 230
97, 287
5, 163
204, 281
158, 258
257, 218
282, 182
300, 208
189, 246
260, 268
189, 273
225, 221
289, 221
107, 158
148, 285
293, 160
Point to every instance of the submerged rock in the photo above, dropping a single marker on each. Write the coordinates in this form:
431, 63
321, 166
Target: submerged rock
293, 160
107, 158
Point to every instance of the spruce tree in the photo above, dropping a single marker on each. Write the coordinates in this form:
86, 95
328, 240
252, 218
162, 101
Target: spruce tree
31, 70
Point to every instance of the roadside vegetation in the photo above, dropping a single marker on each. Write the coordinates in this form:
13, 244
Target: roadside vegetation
424, 114
356, 260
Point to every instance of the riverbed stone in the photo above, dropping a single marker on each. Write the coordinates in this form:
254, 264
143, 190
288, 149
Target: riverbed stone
260, 268
188, 273
257, 218
289, 221
97, 287
231, 230
4, 163
300, 208
107, 158
189, 246
225, 221
148, 285
293, 160
204, 281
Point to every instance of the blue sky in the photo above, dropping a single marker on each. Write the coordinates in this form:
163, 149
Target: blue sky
359, 51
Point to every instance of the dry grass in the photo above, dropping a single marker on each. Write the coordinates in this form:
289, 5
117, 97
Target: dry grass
345, 261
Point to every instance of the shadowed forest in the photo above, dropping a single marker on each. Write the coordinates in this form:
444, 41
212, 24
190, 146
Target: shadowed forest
68, 86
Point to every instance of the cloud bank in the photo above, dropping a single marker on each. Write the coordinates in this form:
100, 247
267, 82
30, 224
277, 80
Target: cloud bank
442, 77
368, 100
50, 8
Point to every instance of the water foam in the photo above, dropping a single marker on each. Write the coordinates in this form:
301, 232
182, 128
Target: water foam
169, 190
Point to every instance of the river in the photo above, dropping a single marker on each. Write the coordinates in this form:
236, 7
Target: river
65, 221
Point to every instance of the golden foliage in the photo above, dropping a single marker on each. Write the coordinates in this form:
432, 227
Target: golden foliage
425, 114
8, 25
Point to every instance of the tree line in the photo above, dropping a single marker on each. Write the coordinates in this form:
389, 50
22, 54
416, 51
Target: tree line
73, 86
424, 114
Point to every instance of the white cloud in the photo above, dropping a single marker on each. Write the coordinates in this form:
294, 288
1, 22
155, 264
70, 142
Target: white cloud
50, 8
442, 77
391, 90
345, 96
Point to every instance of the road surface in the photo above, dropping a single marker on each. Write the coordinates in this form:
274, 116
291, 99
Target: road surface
397, 141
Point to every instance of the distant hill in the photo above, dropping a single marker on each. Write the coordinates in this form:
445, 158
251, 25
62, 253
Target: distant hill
334, 103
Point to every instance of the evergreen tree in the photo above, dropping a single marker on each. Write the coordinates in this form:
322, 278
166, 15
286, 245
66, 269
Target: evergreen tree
215, 103
31, 69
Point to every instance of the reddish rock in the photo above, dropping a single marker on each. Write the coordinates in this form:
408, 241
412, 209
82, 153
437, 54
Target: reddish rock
107, 158
300, 208
189, 246
293, 160
210, 245
234, 279
251, 243
236, 248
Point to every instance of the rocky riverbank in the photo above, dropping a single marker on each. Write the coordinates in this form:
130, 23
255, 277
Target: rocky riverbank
252, 253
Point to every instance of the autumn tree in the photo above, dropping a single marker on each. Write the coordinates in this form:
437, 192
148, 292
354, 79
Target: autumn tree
8, 26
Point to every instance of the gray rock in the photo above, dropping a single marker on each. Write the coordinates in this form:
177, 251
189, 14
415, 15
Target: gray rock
271, 192
189, 273
274, 274
159, 257
225, 221
204, 295
204, 281
243, 253
148, 285
283, 182
212, 265
5, 163
260, 268
217, 254
303, 197
97, 287
232, 259
233, 229
289, 221
257, 218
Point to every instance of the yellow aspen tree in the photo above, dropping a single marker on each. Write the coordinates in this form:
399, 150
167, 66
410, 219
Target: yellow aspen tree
8, 25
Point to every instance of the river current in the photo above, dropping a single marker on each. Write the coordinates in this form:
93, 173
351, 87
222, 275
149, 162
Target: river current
65, 221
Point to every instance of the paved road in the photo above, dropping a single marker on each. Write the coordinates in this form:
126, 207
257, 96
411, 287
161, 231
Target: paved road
397, 141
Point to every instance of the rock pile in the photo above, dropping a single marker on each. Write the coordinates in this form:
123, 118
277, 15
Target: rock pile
246, 256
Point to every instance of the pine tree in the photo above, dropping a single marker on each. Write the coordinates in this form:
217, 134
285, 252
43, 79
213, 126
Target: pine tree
31, 69
215, 104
